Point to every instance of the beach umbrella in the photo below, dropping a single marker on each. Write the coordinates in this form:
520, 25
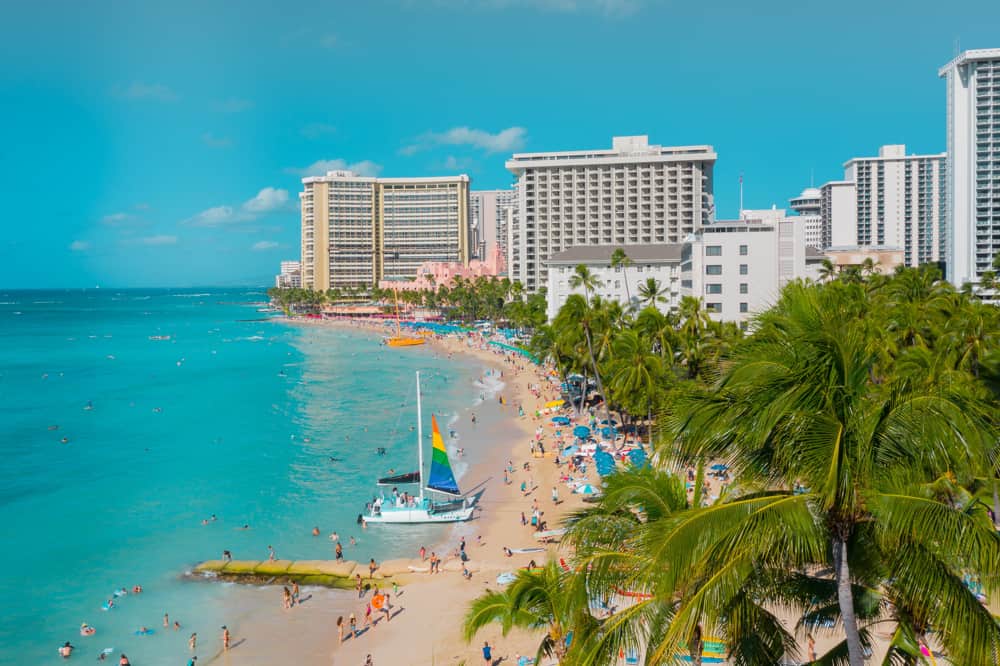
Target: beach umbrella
555, 403
604, 462
560, 420
608, 433
581, 431
585, 489
637, 457
612, 422
719, 467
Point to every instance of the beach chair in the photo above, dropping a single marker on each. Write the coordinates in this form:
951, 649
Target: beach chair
631, 658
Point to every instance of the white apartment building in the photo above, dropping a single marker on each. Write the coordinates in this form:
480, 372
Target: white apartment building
290, 276
490, 212
973, 164
838, 201
809, 206
898, 202
618, 283
632, 194
357, 230
738, 268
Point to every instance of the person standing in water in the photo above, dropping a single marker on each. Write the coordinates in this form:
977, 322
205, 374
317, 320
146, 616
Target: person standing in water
193, 641
225, 638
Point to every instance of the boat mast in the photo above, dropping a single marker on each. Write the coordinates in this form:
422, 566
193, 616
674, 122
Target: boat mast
420, 441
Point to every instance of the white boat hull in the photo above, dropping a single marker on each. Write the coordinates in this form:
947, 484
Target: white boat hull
418, 515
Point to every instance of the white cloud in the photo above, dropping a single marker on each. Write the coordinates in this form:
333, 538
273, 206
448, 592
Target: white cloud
260, 246
317, 130
213, 141
158, 240
153, 91
320, 167
232, 105
453, 163
115, 218
79, 246
504, 141
266, 201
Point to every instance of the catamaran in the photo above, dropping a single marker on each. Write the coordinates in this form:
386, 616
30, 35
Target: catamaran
400, 340
403, 508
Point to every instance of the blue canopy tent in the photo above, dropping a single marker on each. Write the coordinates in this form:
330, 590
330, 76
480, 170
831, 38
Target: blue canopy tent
523, 352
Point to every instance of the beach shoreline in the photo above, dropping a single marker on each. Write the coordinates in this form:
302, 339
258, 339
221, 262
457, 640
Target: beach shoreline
505, 438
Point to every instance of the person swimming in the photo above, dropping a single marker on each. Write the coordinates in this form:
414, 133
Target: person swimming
87, 630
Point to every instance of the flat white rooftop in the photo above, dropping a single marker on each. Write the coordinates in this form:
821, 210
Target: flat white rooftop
624, 149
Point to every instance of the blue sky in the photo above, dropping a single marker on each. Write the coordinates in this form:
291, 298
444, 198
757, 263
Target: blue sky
161, 144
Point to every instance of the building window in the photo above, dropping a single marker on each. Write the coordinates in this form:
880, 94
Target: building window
743, 307
743, 269
713, 250
713, 288
618, 269
743, 250
618, 284
638, 269
744, 288
713, 307
714, 269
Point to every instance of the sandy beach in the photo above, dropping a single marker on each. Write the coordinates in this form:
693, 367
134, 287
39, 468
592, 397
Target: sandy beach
426, 620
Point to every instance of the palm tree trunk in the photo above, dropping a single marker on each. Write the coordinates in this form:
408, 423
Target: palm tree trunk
996, 502
845, 597
597, 376
695, 649
583, 394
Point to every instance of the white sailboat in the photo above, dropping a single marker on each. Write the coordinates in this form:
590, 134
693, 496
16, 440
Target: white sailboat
400, 508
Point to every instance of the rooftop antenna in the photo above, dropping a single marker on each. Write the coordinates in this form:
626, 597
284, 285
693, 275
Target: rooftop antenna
741, 195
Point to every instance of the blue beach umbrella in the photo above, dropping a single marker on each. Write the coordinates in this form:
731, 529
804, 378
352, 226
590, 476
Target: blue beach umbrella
604, 462
608, 433
585, 489
637, 457
560, 420
718, 467
581, 431
612, 422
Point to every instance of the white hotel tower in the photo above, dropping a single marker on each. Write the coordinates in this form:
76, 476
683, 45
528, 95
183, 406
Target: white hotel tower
973, 167
633, 194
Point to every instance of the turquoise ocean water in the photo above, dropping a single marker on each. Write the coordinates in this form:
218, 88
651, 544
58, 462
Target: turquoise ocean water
233, 416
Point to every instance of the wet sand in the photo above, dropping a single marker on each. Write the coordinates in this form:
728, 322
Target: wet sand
427, 616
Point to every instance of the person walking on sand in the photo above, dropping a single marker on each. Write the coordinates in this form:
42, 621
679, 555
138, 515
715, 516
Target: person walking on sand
359, 585
353, 621
372, 567
295, 592
225, 638
487, 654
286, 598
555, 495
340, 629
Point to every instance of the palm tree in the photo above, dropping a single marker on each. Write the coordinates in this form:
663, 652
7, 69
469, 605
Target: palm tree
583, 277
650, 292
550, 599
619, 259
806, 404
827, 270
636, 373
577, 315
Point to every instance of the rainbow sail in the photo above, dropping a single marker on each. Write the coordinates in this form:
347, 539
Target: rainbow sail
441, 477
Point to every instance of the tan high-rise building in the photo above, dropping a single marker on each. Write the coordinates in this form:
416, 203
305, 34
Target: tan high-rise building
357, 230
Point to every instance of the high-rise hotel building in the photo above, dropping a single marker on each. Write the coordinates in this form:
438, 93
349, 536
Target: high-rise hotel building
894, 200
357, 230
973, 167
633, 194
491, 212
